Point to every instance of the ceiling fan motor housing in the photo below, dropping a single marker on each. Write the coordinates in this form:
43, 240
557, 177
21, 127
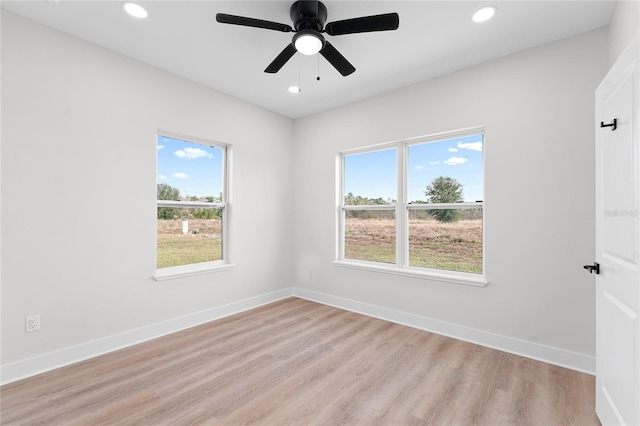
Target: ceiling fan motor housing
302, 22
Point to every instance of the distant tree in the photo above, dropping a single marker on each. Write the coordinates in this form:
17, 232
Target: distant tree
444, 189
355, 200
167, 192
358, 200
208, 214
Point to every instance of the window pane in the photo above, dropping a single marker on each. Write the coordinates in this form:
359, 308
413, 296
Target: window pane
436, 169
370, 178
188, 235
370, 235
453, 244
189, 171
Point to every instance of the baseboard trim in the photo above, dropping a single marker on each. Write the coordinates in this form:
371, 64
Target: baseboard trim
49, 361
548, 354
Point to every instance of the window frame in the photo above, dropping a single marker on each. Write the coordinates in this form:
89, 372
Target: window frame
402, 208
224, 206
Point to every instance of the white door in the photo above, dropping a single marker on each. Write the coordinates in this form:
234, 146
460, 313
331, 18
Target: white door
617, 243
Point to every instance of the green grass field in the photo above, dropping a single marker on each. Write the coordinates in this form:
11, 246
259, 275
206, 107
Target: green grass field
453, 246
175, 249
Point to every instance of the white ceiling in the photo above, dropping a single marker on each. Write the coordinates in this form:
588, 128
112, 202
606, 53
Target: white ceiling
434, 38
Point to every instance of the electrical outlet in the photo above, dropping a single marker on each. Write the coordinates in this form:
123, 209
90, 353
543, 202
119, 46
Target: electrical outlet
32, 323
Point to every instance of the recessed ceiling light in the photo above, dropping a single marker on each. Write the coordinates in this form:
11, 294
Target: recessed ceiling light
294, 89
135, 10
484, 14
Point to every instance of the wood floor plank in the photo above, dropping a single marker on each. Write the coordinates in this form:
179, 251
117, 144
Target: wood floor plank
299, 362
289, 400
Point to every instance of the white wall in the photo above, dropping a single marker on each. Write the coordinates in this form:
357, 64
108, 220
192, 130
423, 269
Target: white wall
538, 110
625, 22
78, 193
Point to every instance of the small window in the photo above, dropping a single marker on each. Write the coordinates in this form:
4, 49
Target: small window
369, 206
416, 206
191, 203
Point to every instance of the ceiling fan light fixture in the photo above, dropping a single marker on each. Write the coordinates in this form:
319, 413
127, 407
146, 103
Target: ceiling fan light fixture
308, 42
135, 10
484, 13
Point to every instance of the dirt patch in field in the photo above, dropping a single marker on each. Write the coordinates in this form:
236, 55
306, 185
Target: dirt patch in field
204, 226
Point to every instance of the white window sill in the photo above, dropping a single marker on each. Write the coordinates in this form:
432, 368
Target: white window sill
474, 280
191, 270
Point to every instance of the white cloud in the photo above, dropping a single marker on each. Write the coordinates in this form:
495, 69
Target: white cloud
453, 149
433, 163
418, 167
162, 177
455, 161
180, 175
192, 153
473, 146
160, 147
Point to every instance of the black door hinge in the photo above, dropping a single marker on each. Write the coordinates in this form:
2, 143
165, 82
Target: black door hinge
613, 124
595, 268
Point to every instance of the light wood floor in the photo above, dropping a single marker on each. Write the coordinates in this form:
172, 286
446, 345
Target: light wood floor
298, 362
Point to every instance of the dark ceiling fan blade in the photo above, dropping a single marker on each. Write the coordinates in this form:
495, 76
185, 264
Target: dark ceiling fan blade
223, 18
308, 8
336, 59
281, 59
365, 24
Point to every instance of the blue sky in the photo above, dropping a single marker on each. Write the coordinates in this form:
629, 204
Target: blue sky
193, 168
373, 174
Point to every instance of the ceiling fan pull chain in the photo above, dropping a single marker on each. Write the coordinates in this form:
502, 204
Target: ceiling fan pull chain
318, 78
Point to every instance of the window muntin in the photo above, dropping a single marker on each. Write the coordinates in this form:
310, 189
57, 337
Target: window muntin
192, 203
433, 232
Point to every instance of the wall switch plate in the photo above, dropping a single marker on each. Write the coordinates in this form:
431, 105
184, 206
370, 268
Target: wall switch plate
32, 323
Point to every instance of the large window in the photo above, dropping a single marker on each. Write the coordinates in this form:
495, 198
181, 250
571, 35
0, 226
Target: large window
415, 207
192, 205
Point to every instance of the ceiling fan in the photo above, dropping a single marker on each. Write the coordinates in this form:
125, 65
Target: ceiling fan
308, 17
